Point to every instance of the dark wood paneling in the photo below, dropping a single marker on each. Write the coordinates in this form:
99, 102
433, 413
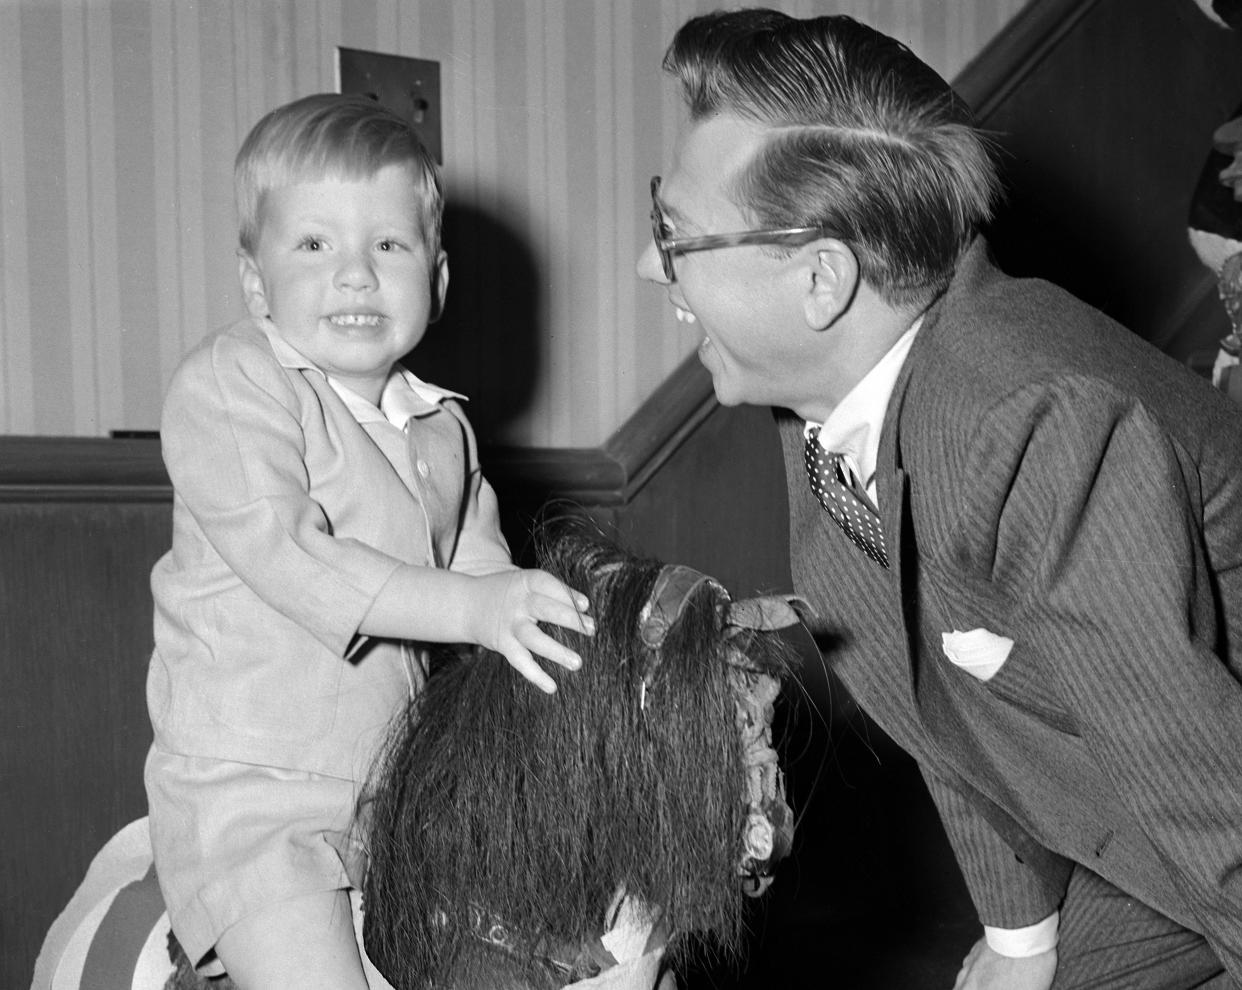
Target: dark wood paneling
86, 468
75, 635
718, 504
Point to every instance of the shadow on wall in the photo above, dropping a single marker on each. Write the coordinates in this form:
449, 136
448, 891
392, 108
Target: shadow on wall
1051, 227
486, 344
1100, 143
1085, 255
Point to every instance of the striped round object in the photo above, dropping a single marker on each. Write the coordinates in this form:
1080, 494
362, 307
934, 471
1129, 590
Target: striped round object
113, 935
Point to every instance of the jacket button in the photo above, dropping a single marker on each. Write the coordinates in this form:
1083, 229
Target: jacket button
424, 468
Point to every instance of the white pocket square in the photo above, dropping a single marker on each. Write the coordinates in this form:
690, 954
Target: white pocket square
978, 652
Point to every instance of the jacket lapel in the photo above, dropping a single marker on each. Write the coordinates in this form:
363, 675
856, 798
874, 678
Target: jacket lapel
892, 487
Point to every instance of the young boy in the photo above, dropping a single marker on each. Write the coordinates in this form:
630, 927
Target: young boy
329, 514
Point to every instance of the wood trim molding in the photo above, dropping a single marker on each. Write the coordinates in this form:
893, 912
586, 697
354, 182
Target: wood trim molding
71, 468
82, 468
615, 472
130, 468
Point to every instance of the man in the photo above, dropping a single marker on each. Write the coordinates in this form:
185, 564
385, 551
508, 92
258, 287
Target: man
1027, 558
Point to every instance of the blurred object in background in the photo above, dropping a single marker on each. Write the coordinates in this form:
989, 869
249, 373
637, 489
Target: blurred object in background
1216, 218
1224, 374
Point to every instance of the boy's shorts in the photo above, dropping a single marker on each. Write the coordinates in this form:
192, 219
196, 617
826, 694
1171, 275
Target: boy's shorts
232, 838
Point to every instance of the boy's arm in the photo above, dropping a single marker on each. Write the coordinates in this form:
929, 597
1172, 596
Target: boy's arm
500, 611
235, 450
482, 597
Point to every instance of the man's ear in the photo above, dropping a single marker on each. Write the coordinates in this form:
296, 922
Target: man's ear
439, 287
251, 280
830, 282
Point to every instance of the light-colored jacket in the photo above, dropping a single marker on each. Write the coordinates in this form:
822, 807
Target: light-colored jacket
287, 521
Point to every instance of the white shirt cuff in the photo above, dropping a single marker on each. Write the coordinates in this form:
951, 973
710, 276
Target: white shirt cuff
1021, 942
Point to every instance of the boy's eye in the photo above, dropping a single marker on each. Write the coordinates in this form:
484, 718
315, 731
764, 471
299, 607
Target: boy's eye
311, 244
389, 245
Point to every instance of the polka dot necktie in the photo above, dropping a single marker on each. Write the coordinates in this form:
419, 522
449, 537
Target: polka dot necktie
848, 509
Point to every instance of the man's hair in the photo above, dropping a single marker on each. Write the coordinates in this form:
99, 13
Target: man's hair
866, 139
331, 136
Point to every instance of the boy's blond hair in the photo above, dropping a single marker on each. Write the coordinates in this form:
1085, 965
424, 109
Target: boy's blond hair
330, 136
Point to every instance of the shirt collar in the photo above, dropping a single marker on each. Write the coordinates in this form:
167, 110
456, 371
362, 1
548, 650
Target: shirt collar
405, 395
853, 427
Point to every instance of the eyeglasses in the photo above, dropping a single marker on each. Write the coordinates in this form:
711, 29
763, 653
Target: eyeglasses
668, 246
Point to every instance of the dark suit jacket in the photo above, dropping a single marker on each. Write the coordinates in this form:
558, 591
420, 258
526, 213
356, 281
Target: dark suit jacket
1046, 475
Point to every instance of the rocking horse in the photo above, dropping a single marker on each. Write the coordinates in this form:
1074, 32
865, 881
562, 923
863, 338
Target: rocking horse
520, 841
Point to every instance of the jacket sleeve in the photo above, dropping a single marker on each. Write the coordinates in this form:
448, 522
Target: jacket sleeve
1007, 890
235, 451
1097, 542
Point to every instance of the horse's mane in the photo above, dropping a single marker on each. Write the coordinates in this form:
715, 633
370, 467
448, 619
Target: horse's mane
500, 809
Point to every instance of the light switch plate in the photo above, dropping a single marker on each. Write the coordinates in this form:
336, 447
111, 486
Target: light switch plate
408, 86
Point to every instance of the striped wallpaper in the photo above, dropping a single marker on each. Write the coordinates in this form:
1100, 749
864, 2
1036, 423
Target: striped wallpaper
119, 120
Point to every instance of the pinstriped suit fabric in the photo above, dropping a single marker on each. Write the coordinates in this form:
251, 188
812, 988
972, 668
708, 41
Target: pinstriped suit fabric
1156, 954
1054, 480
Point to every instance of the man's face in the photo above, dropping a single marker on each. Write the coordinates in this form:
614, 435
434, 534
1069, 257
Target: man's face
743, 298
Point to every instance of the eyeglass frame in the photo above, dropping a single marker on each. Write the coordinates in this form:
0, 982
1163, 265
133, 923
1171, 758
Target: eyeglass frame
667, 247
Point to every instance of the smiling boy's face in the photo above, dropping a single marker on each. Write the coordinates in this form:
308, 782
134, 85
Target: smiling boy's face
343, 270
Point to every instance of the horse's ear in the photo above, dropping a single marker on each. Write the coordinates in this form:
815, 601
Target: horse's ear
674, 587
766, 613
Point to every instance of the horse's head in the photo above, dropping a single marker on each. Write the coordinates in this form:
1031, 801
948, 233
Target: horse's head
509, 830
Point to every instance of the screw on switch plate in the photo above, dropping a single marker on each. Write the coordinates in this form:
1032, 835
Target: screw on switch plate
407, 86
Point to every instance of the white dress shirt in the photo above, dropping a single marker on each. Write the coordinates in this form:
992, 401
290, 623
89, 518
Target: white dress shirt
852, 429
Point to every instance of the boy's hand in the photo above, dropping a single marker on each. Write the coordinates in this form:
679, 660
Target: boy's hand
505, 613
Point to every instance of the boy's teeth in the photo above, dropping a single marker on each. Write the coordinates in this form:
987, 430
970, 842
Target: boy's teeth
684, 315
356, 320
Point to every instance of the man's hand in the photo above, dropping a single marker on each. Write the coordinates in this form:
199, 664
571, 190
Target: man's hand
985, 969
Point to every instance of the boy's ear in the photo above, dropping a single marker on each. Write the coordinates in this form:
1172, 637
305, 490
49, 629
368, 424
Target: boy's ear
251, 280
439, 287
830, 281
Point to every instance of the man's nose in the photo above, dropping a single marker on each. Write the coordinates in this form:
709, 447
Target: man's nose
649, 266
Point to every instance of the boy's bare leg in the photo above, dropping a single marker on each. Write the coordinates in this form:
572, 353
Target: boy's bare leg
304, 944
